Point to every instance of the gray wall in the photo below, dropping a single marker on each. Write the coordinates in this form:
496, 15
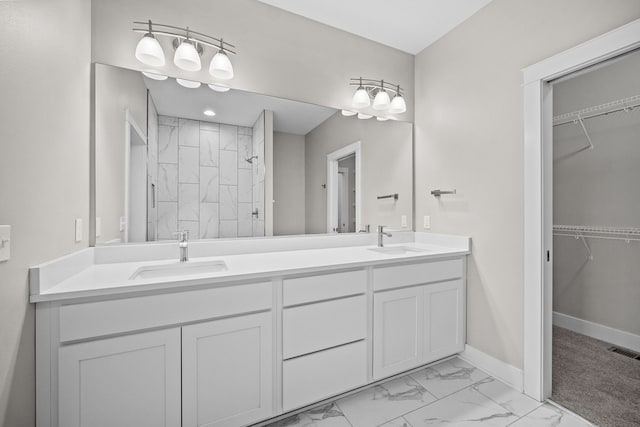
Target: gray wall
386, 169
469, 136
598, 187
44, 169
117, 90
279, 53
288, 184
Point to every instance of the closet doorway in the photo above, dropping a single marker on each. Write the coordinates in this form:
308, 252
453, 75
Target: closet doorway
596, 242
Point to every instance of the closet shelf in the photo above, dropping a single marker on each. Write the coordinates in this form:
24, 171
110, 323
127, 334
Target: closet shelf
615, 233
626, 104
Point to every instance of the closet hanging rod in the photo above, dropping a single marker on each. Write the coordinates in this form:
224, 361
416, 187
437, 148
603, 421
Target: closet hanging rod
627, 104
626, 231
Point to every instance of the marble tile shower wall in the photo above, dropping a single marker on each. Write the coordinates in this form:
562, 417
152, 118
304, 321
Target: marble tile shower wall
152, 170
204, 182
258, 169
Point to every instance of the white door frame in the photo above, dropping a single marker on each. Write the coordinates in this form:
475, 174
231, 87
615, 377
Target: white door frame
343, 202
332, 184
129, 125
538, 212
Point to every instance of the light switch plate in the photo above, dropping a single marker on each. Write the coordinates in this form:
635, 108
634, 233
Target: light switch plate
78, 229
5, 242
426, 222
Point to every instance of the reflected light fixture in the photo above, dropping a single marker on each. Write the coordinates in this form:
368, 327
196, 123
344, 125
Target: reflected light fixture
363, 116
382, 119
219, 87
349, 113
189, 47
154, 75
191, 84
149, 51
379, 90
209, 113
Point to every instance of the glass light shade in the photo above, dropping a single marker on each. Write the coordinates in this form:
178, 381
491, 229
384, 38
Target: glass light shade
219, 87
348, 113
209, 113
398, 105
221, 67
382, 119
149, 52
186, 57
152, 74
188, 83
381, 101
360, 98
363, 116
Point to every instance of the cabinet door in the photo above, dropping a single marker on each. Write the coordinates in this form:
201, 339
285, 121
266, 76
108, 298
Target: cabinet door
443, 320
227, 371
397, 331
132, 380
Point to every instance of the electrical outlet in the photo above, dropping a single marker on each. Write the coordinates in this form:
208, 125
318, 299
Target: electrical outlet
426, 222
78, 229
5, 242
122, 223
403, 221
98, 226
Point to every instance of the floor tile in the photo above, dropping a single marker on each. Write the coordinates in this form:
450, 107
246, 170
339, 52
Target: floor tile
398, 422
548, 415
448, 377
467, 407
507, 397
323, 416
385, 402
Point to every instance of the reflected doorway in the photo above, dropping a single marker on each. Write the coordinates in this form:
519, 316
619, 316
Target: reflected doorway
343, 189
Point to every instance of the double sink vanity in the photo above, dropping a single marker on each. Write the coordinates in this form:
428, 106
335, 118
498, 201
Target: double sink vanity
245, 331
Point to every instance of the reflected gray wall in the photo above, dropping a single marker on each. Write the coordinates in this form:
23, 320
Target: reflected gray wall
288, 184
598, 187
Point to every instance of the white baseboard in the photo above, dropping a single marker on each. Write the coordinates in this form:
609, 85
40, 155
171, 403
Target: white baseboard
506, 373
598, 331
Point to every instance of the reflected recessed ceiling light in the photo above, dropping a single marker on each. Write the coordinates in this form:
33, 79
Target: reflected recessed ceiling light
219, 87
364, 116
382, 119
349, 113
209, 113
152, 74
188, 83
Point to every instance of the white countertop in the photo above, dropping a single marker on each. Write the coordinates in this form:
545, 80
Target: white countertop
110, 279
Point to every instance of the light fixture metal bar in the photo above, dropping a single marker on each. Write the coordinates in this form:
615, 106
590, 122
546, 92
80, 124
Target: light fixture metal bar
372, 85
219, 44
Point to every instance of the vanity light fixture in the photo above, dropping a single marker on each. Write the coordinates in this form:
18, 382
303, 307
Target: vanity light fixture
379, 90
188, 45
363, 116
209, 113
349, 113
191, 84
154, 75
219, 87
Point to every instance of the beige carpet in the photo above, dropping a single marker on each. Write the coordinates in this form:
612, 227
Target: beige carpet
599, 385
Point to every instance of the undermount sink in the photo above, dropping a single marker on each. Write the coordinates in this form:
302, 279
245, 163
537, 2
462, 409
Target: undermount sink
178, 269
397, 250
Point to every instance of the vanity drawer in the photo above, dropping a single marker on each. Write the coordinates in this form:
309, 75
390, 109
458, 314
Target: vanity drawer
320, 375
416, 274
318, 326
326, 286
87, 320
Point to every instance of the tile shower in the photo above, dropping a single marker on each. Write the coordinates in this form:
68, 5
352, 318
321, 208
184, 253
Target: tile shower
204, 182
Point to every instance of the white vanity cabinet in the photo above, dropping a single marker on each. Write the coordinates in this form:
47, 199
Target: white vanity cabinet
227, 376
132, 380
417, 321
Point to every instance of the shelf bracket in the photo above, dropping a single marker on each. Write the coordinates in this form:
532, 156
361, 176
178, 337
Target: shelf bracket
586, 245
584, 129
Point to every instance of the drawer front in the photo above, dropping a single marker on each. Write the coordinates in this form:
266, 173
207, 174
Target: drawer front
314, 327
416, 274
81, 321
326, 286
320, 375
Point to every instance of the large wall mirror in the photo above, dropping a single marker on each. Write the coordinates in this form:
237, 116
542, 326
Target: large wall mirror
238, 164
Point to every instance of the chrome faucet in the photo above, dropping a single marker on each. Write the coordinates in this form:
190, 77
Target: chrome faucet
183, 242
381, 234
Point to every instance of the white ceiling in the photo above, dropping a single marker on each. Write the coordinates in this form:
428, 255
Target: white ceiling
235, 107
408, 25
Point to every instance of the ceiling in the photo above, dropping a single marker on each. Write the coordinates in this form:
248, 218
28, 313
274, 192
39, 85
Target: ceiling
235, 107
408, 25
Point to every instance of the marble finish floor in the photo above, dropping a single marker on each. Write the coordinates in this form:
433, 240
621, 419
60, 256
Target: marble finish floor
450, 393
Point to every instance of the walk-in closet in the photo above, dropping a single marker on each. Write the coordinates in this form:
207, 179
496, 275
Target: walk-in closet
596, 242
